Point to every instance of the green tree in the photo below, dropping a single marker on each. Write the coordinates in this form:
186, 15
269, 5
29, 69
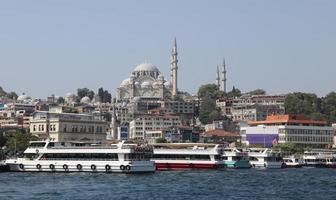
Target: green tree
91, 94
302, 103
209, 91
161, 140
12, 95
2, 92
19, 141
82, 92
209, 111
257, 92
290, 148
234, 93
60, 100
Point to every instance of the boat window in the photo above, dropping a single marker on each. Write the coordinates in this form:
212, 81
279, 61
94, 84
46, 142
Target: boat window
225, 158
180, 157
236, 158
137, 157
37, 144
80, 156
51, 144
219, 157
30, 156
253, 159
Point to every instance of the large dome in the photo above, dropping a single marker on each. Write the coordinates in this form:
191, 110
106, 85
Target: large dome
146, 67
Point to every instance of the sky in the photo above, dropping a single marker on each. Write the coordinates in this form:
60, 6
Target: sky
54, 47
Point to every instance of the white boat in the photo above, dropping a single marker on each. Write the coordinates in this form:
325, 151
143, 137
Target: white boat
294, 162
311, 159
187, 156
265, 158
83, 157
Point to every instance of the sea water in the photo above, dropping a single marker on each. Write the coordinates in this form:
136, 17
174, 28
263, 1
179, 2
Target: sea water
305, 183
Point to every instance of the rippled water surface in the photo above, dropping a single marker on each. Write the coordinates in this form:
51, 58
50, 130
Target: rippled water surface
306, 183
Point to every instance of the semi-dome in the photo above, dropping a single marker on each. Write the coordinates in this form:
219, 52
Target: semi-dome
155, 84
69, 94
23, 97
146, 67
85, 100
125, 82
168, 84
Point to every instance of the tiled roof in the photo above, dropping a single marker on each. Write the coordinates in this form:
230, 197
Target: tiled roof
221, 133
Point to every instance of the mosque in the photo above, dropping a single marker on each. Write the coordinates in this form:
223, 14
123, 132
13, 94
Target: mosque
146, 81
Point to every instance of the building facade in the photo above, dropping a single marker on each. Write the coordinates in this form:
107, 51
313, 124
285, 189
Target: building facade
294, 129
143, 123
252, 107
68, 127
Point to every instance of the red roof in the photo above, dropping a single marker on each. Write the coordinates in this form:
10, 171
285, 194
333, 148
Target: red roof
221, 133
287, 119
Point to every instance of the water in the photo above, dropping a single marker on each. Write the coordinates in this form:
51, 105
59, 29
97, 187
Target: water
305, 183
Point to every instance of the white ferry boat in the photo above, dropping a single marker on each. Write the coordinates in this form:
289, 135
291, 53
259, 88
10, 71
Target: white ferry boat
311, 159
83, 157
265, 158
294, 162
234, 158
187, 156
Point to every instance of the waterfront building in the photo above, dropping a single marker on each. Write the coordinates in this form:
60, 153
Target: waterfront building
294, 129
175, 134
68, 127
251, 107
148, 122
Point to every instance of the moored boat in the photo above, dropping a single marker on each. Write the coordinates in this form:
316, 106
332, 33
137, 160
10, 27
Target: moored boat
187, 156
265, 158
294, 162
47, 156
234, 158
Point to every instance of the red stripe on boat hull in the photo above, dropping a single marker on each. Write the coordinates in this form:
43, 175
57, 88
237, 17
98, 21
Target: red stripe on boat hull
176, 166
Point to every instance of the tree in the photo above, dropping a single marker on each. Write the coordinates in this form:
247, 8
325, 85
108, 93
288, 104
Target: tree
2, 92
209, 91
60, 100
12, 95
209, 111
302, 103
234, 92
101, 94
82, 92
161, 140
3, 140
257, 92
290, 148
90, 94
19, 141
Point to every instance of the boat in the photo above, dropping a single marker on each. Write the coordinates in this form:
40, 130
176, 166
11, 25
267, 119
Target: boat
294, 162
313, 159
327, 161
48, 156
234, 158
265, 158
187, 156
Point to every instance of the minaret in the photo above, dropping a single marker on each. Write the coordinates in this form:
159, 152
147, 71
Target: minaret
173, 66
218, 79
224, 76
114, 125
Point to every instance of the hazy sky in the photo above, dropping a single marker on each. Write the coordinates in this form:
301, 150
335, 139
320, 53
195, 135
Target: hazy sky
54, 47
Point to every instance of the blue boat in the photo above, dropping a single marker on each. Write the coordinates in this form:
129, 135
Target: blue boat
236, 159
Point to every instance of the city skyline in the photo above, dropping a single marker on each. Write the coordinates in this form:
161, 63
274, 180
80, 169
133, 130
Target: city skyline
56, 47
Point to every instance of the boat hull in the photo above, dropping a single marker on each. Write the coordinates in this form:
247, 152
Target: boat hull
84, 166
267, 165
241, 164
184, 165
